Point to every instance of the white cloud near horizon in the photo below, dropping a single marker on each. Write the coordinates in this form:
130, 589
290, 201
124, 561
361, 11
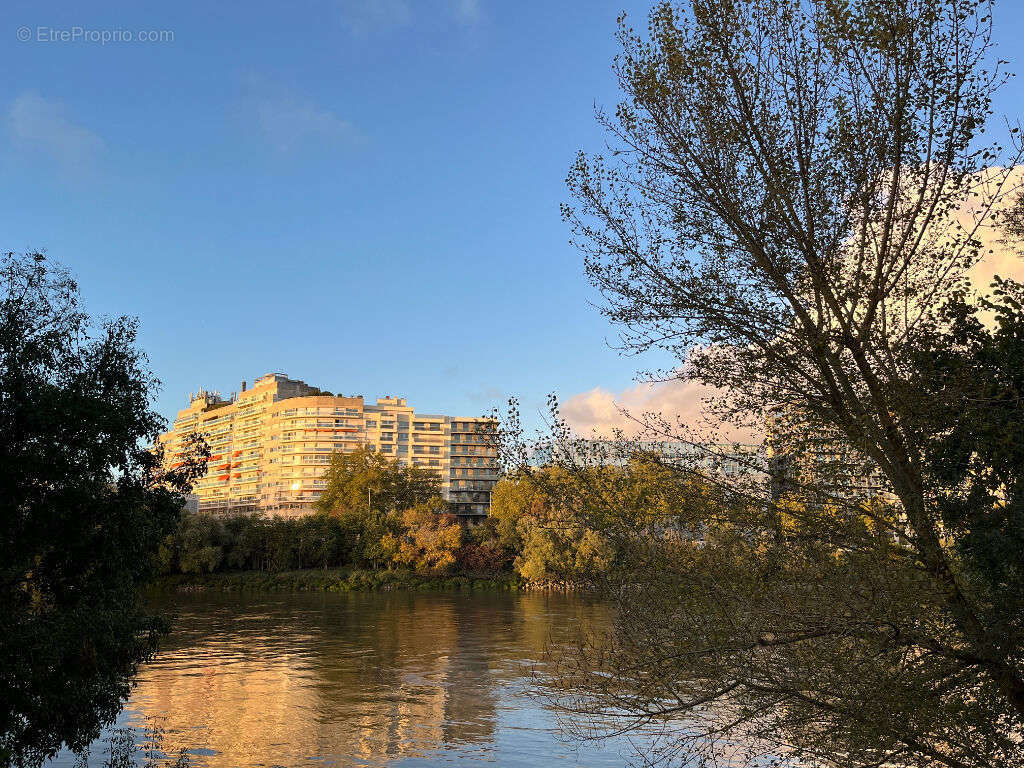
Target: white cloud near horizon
38, 124
679, 402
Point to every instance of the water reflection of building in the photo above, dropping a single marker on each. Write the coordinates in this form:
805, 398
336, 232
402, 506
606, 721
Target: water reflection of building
376, 680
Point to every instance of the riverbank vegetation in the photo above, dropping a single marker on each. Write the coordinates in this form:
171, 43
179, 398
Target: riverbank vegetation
341, 580
380, 525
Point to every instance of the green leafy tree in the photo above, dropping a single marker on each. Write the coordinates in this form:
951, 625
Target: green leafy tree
249, 542
538, 515
283, 544
365, 492
512, 500
320, 540
972, 376
201, 541
431, 537
83, 511
482, 550
367, 478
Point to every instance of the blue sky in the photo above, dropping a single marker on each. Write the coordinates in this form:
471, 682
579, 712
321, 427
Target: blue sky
362, 194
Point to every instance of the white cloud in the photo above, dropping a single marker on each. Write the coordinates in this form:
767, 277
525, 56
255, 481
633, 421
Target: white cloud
466, 12
679, 402
41, 125
361, 17
488, 394
289, 121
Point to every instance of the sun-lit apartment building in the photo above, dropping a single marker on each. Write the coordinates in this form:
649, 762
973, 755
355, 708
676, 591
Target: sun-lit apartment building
271, 443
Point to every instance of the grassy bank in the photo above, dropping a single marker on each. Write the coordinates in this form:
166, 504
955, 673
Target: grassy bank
334, 580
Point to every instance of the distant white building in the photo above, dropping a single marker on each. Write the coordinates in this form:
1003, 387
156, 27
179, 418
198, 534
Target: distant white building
814, 463
726, 461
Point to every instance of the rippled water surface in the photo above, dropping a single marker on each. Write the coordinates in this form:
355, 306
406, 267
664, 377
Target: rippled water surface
407, 679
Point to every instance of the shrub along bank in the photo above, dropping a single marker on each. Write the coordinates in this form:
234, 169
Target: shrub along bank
338, 580
403, 538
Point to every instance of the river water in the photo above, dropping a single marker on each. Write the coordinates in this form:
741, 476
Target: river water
362, 679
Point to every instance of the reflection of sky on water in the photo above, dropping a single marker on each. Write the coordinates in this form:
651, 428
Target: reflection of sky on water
396, 679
